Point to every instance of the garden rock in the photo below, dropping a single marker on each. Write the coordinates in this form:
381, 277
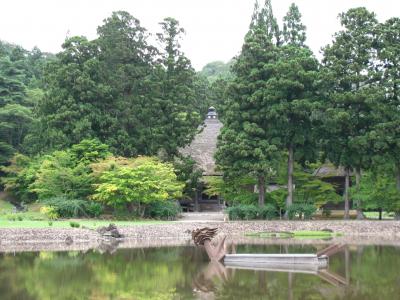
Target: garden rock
69, 240
109, 231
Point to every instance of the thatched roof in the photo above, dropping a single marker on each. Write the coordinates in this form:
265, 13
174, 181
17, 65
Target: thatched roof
329, 170
204, 144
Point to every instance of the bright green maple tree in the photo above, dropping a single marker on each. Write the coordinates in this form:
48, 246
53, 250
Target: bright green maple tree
142, 181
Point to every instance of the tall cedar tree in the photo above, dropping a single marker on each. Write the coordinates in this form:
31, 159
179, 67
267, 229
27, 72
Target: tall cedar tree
243, 147
349, 70
177, 103
386, 134
75, 103
15, 109
290, 96
126, 62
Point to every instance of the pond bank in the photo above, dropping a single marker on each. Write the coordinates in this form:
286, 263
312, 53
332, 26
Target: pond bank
178, 233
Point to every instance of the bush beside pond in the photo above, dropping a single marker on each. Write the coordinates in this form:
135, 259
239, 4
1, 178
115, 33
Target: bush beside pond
269, 212
73, 208
163, 210
252, 212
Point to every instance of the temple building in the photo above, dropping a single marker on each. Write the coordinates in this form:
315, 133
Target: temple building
202, 150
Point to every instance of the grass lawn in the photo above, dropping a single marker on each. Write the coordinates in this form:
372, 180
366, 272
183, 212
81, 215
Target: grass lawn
5, 206
34, 219
375, 215
89, 223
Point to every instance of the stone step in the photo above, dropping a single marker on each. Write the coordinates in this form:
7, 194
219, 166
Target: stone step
202, 216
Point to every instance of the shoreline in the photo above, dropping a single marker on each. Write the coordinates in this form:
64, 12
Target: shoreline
179, 233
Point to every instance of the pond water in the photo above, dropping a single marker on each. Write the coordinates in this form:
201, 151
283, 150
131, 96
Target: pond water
358, 272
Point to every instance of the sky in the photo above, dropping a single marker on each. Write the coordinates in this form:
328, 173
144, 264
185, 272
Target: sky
214, 28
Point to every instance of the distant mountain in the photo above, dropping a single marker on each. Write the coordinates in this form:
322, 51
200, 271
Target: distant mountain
216, 70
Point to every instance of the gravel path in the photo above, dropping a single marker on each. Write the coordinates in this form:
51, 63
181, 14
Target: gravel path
179, 232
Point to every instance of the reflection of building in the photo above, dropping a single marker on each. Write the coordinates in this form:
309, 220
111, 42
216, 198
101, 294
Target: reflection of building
202, 149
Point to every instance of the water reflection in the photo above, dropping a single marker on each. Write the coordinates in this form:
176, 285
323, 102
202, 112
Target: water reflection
357, 272
216, 273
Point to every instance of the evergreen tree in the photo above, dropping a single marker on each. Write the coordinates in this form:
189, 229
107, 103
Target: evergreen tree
178, 114
349, 69
290, 97
76, 105
15, 110
243, 147
294, 32
386, 133
126, 61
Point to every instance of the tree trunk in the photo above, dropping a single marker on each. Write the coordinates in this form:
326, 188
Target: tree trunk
397, 214
289, 199
360, 215
196, 200
261, 190
380, 213
346, 194
398, 177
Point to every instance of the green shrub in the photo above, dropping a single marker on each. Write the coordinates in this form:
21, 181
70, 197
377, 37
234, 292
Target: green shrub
94, 209
293, 210
74, 224
74, 208
11, 217
251, 212
268, 212
165, 210
301, 210
326, 212
308, 211
233, 213
50, 212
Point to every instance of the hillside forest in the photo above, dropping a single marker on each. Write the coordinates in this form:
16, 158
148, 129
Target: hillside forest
98, 126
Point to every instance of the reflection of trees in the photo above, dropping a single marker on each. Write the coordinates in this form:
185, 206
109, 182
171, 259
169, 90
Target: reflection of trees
170, 273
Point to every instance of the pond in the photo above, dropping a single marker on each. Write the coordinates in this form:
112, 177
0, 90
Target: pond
358, 272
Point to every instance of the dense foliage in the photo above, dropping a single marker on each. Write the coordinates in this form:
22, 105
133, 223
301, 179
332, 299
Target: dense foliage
281, 103
104, 119
143, 181
66, 182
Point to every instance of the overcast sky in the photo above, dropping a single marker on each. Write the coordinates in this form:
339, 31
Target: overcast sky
214, 28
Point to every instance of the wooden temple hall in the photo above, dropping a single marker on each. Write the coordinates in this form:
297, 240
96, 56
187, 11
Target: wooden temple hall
202, 150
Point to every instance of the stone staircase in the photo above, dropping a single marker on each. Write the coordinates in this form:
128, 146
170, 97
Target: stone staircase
203, 217
210, 206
